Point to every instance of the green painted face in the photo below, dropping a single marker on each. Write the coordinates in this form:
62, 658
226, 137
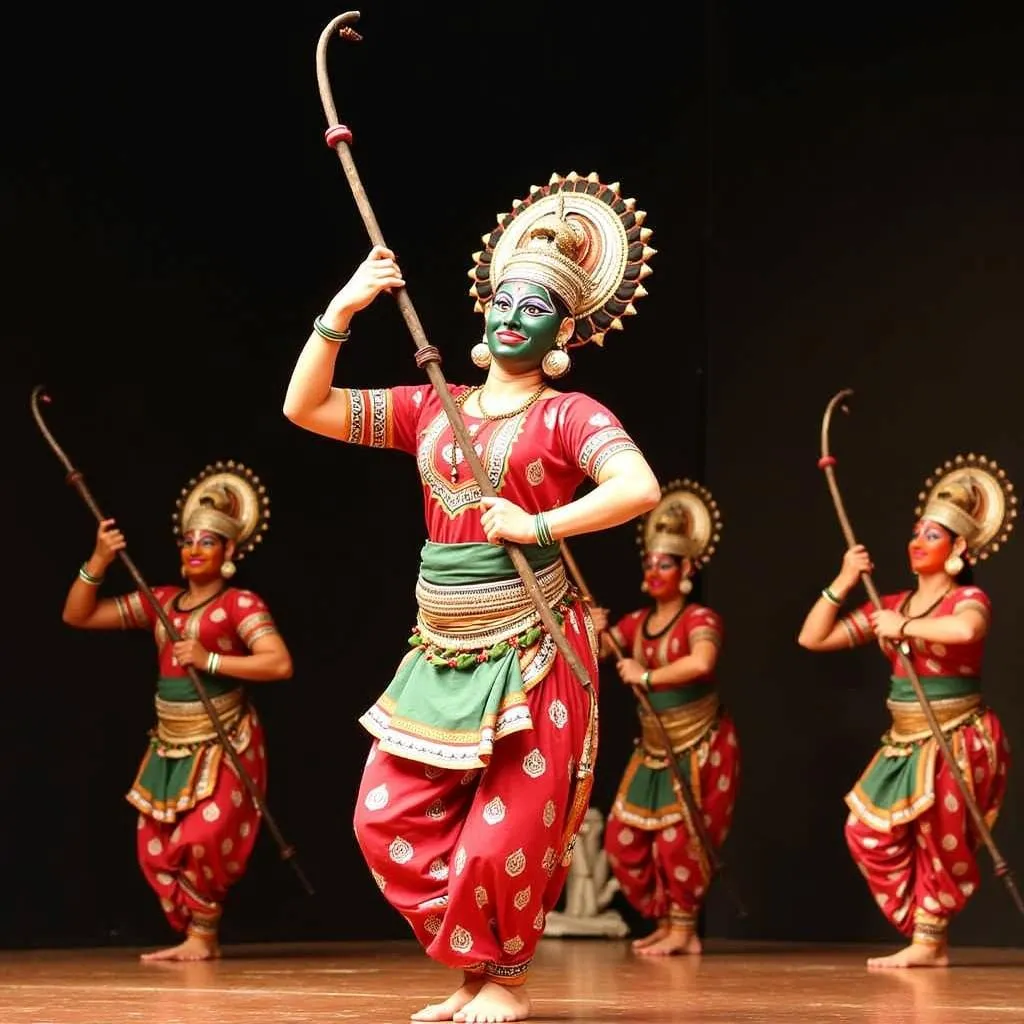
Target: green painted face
522, 324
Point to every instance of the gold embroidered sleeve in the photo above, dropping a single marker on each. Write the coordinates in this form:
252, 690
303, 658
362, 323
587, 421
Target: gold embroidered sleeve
132, 611
704, 634
974, 605
252, 627
858, 627
371, 417
601, 446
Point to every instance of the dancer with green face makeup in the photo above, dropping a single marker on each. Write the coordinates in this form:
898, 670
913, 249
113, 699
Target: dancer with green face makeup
478, 776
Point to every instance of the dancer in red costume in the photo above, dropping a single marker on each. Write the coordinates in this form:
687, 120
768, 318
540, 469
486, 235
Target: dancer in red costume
671, 650
197, 824
908, 830
470, 800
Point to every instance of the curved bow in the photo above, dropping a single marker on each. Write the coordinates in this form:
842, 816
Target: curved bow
338, 137
77, 480
827, 463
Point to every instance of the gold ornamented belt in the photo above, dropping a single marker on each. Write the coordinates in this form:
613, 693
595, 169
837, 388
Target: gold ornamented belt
685, 726
482, 614
910, 725
180, 723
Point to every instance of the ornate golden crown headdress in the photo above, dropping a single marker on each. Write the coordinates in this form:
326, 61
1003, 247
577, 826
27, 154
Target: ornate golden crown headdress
577, 237
686, 522
972, 496
228, 499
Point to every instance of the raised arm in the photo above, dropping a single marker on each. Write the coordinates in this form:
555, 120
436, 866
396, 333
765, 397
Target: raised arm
821, 631
311, 401
82, 608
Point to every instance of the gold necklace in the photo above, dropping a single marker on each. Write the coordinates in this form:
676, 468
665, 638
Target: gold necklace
484, 414
453, 449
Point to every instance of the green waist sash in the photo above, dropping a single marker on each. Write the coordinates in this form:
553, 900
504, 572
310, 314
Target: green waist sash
899, 783
478, 634
935, 687
180, 687
662, 700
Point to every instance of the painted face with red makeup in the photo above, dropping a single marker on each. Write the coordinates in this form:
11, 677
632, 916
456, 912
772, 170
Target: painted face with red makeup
202, 555
662, 575
930, 545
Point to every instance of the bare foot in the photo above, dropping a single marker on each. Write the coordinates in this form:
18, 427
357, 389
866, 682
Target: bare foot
193, 948
672, 943
648, 940
495, 1003
917, 954
455, 1002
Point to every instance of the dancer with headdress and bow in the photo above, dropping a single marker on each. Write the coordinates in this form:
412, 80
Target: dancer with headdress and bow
908, 829
671, 649
197, 824
468, 807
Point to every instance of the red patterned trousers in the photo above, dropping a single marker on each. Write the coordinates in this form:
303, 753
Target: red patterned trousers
191, 863
474, 860
663, 872
923, 873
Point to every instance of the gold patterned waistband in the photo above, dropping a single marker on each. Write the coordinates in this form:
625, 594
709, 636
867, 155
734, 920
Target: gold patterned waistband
179, 723
482, 614
685, 726
910, 725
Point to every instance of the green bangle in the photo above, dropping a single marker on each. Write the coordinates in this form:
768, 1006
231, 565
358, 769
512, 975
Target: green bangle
831, 598
87, 577
542, 530
328, 333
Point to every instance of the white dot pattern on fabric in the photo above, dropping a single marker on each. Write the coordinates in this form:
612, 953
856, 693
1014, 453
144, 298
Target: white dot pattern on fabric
176, 835
558, 713
164, 879
681, 872
931, 904
377, 798
227, 846
538, 921
952, 804
967, 888
236, 797
550, 860
521, 900
461, 940
432, 924
401, 851
960, 868
211, 812
480, 895
949, 842
946, 900
626, 836
438, 869
219, 615
515, 863
494, 811
549, 814
534, 764
244, 829
198, 851
232, 867
513, 945
669, 834
155, 847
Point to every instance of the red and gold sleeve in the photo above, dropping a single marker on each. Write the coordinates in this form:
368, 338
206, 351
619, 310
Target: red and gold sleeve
137, 612
972, 599
704, 626
384, 417
591, 434
251, 617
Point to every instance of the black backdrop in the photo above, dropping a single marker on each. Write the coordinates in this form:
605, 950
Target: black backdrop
834, 201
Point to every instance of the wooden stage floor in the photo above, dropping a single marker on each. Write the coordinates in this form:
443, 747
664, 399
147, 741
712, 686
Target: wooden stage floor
592, 980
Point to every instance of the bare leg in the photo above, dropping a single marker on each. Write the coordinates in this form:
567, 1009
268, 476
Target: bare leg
917, 954
660, 931
471, 985
197, 946
495, 1003
676, 940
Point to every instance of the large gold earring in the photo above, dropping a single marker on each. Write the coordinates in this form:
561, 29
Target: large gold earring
481, 355
643, 587
228, 569
556, 363
685, 585
954, 565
